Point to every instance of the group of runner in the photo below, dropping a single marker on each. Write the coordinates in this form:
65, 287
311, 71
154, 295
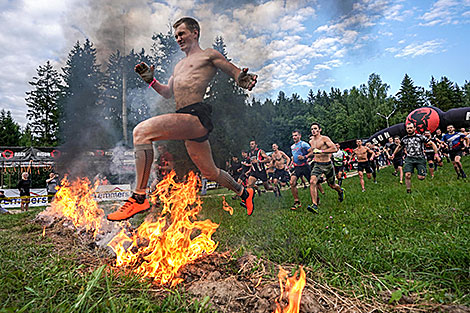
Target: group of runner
321, 160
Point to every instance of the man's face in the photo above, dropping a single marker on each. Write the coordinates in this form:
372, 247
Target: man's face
410, 128
427, 134
252, 145
315, 130
244, 155
296, 137
390, 140
438, 132
275, 147
397, 141
450, 129
184, 37
359, 143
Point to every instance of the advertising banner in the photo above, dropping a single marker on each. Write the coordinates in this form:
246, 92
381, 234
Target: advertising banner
38, 198
112, 192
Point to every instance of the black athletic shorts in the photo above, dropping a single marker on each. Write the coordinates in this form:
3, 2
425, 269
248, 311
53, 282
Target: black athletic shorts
339, 168
361, 166
303, 170
454, 153
261, 175
204, 112
397, 162
281, 175
430, 156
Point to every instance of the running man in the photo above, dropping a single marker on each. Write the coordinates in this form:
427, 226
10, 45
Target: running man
192, 120
281, 161
339, 157
259, 159
363, 162
301, 168
397, 160
373, 160
455, 145
430, 155
321, 149
415, 156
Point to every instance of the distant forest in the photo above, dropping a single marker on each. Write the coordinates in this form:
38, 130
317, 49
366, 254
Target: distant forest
83, 104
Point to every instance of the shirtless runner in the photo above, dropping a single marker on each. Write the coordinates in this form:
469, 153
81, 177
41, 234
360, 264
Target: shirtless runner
322, 147
281, 161
363, 163
192, 120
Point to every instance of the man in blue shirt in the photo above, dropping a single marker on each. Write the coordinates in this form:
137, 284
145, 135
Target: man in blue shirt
455, 144
301, 168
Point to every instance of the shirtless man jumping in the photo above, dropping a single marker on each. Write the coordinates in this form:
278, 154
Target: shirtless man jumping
361, 153
321, 148
192, 120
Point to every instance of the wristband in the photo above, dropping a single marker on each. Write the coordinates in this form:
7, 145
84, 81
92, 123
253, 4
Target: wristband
153, 82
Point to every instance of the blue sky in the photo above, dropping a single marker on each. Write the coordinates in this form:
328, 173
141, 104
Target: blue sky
294, 45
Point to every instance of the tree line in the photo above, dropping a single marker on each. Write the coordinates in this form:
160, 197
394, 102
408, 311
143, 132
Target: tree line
82, 105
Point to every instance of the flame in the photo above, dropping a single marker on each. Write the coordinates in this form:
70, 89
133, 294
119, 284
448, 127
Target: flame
226, 206
75, 201
292, 292
158, 249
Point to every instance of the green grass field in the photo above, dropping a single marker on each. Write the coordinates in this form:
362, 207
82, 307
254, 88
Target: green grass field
384, 239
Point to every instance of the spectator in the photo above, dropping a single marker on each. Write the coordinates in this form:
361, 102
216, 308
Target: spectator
2, 210
51, 184
24, 186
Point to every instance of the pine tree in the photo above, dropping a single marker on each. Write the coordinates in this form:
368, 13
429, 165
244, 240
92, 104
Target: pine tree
409, 97
466, 94
10, 134
81, 123
443, 94
43, 106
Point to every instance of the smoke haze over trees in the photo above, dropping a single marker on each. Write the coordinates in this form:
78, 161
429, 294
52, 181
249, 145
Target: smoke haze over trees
84, 110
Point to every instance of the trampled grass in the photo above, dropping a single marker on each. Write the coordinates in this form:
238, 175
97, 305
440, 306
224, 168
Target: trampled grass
383, 239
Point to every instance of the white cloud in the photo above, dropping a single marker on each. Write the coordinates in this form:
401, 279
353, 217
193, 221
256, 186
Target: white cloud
419, 49
31, 35
444, 12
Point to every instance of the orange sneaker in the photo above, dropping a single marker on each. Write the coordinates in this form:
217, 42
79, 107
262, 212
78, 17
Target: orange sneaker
128, 210
248, 201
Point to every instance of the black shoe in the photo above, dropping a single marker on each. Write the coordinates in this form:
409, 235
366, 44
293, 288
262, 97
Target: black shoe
341, 195
464, 175
395, 174
408, 190
313, 208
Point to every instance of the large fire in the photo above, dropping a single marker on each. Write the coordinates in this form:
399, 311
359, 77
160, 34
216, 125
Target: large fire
162, 244
291, 292
75, 202
158, 249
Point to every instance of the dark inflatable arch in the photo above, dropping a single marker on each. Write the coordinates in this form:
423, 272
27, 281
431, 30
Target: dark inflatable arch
425, 118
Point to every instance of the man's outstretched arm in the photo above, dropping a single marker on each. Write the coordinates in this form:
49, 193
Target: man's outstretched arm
242, 77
